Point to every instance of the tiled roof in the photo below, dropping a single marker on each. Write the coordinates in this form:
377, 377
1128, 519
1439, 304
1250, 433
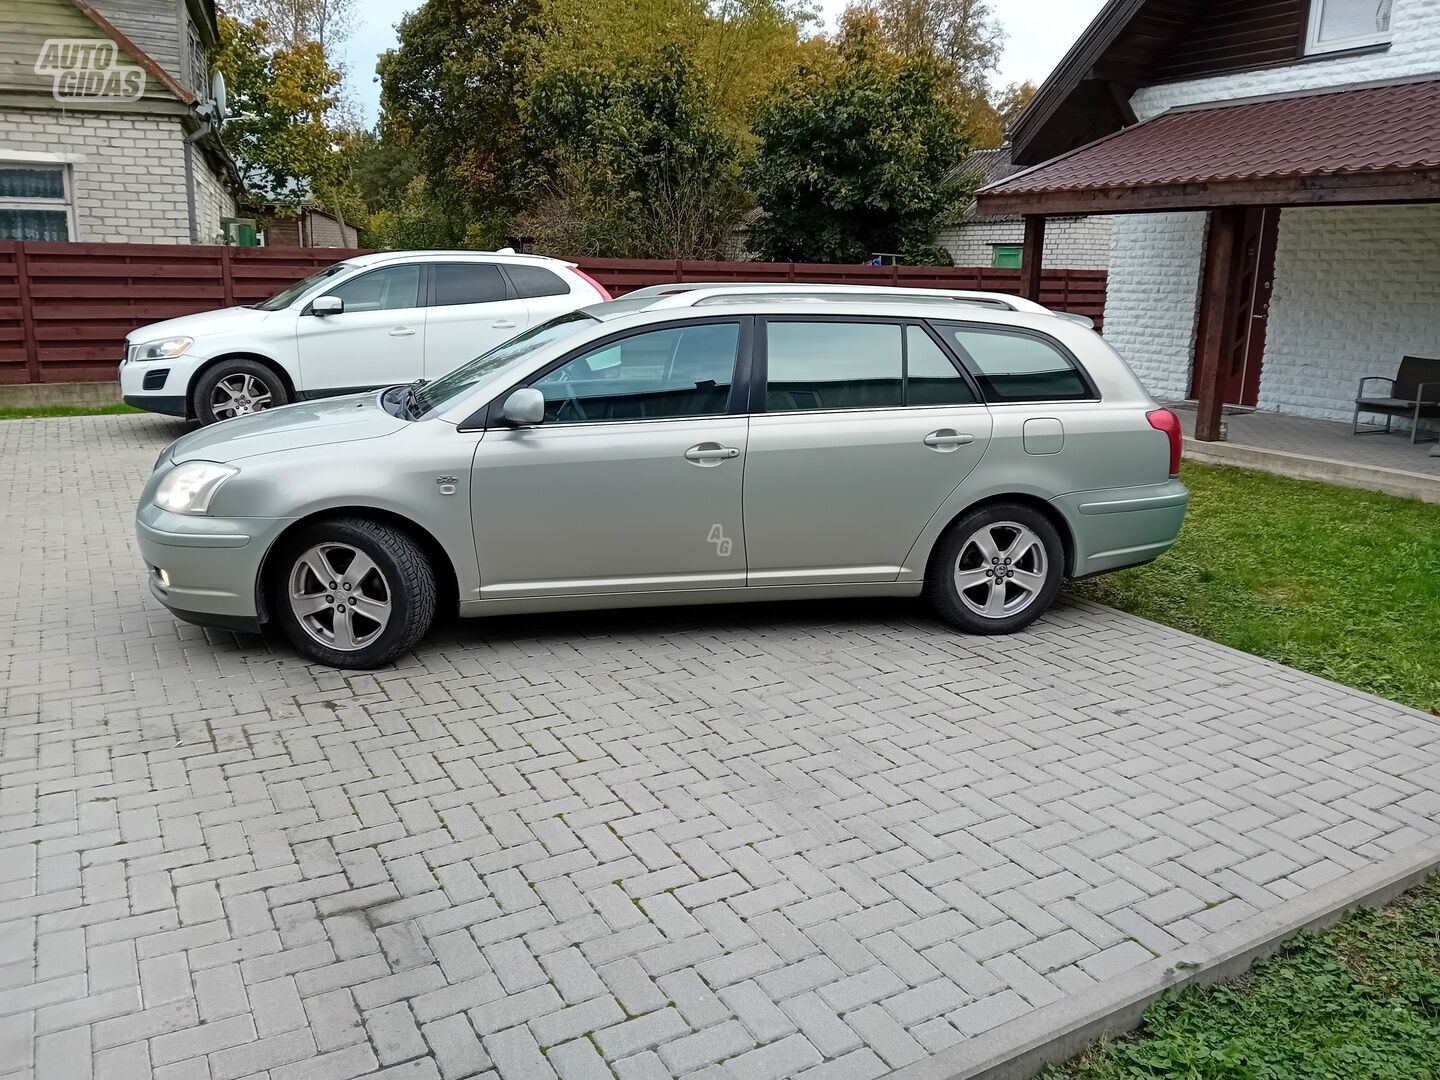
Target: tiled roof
1373, 129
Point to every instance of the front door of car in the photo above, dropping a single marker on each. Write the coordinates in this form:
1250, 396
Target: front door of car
632, 483
867, 427
470, 313
377, 340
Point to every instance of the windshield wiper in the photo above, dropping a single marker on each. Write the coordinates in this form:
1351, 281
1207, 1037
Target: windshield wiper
410, 402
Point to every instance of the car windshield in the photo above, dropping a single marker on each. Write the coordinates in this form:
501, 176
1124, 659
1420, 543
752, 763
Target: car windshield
286, 297
432, 395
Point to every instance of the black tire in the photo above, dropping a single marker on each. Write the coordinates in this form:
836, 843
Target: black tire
403, 569
943, 589
261, 375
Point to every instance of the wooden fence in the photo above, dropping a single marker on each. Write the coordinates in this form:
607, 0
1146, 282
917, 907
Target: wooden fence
65, 308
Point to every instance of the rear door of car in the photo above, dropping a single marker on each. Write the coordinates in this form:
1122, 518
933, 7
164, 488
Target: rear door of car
471, 309
862, 428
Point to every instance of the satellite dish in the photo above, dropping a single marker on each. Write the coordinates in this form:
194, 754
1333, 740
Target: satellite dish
218, 100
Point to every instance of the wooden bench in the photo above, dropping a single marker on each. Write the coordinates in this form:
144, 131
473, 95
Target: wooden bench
1414, 392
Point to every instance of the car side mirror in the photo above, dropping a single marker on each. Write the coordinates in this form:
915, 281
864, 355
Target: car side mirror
524, 407
327, 305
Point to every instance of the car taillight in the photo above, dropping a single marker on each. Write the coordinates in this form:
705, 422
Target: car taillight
1166, 421
604, 292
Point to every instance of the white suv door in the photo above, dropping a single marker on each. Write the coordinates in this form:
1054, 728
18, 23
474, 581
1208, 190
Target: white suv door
378, 340
471, 311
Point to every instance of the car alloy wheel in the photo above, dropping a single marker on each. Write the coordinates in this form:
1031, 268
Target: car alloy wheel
339, 596
239, 394
1001, 570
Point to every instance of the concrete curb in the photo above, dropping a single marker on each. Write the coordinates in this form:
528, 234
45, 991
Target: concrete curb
1401, 482
45, 395
1021, 1048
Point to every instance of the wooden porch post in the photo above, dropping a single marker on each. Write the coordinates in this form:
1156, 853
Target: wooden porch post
1032, 259
1222, 241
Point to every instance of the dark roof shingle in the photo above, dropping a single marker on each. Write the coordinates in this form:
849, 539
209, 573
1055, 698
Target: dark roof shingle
1389, 128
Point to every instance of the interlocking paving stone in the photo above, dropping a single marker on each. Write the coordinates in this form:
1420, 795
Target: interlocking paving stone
816, 841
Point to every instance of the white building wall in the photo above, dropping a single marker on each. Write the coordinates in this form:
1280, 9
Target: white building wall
1152, 294
1356, 288
127, 173
1071, 243
212, 202
1155, 264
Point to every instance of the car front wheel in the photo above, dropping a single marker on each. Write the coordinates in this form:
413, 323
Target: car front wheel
237, 388
353, 593
997, 569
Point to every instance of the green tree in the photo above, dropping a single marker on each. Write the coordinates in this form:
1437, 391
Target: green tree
639, 164
739, 48
451, 92
283, 98
857, 153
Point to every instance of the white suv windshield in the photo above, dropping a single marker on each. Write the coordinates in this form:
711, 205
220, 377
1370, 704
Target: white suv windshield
433, 395
286, 297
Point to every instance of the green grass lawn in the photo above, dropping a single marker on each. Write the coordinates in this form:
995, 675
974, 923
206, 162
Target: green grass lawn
1360, 1001
40, 412
1341, 583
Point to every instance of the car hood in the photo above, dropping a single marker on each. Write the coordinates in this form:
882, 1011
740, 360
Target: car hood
290, 427
201, 323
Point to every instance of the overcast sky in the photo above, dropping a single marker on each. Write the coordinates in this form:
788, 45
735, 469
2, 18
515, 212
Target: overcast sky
1038, 34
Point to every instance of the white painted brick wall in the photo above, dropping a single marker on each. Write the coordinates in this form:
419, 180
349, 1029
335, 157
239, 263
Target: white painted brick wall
1071, 243
212, 202
1151, 299
1414, 50
1355, 290
127, 171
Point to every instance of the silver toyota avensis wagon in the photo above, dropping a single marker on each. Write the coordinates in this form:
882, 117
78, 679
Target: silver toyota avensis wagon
679, 447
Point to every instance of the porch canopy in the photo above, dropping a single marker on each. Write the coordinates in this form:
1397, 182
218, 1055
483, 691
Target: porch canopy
1362, 145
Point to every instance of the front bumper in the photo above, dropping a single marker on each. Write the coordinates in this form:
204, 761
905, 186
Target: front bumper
205, 569
158, 385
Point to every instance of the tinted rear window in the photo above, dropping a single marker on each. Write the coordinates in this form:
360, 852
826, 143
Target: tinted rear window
467, 283
1017, 367
536, 281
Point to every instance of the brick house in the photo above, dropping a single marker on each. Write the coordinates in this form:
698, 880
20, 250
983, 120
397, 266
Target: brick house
1076, 243
1274, 166
102, 134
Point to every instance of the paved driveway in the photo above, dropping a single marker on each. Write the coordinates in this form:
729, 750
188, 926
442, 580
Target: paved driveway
737, 843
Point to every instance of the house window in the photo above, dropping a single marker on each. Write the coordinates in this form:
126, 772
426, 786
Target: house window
1007, 256
34, 202
1347, 24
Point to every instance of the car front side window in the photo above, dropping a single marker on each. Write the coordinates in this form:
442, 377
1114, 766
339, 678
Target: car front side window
392, 288
680, 371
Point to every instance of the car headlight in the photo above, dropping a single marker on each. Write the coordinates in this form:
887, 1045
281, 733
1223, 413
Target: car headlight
189, 487
165, 349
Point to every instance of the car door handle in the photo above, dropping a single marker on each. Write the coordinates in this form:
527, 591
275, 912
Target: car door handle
710, 453
946, 439
503, 324
403, 331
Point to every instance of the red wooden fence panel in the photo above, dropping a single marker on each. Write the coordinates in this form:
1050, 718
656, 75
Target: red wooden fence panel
65, 308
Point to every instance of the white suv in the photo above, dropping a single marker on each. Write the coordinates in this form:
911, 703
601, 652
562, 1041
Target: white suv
374, 320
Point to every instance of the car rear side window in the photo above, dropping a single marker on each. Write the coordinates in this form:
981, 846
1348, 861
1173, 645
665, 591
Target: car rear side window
931, 377
532, 281
1017, 367
833, 365
466, 283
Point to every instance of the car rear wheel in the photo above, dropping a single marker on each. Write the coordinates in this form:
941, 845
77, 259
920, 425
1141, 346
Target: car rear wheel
237, 388
353, 593
997, 569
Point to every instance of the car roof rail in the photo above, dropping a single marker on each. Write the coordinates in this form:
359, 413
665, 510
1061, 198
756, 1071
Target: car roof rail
696, 294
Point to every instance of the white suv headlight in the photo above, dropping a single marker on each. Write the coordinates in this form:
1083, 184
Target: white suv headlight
189, 487
166, 349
